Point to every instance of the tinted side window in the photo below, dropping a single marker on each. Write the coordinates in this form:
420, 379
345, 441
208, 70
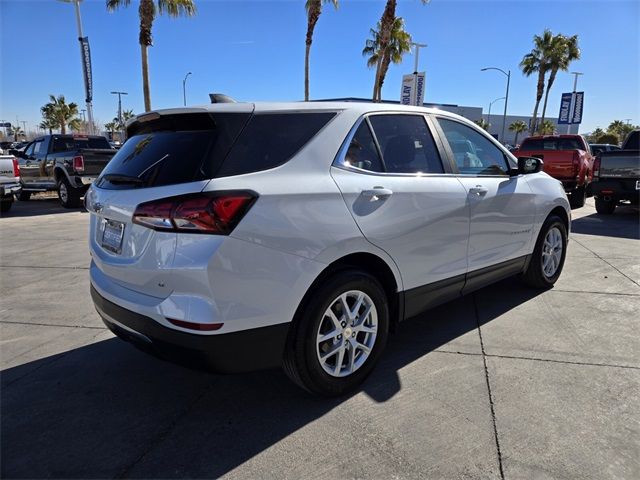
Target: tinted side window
29, 149
406, 143
269, 140
473, 152
362, 152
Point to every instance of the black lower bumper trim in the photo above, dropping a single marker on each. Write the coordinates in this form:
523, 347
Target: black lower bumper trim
243, 351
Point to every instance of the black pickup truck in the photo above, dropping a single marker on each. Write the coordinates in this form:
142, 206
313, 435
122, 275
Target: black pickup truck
616, 176
67, 164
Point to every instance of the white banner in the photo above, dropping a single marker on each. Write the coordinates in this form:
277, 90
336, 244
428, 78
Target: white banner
413, 86
407, 93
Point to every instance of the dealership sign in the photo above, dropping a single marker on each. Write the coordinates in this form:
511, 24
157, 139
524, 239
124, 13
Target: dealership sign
571, 106
412, 92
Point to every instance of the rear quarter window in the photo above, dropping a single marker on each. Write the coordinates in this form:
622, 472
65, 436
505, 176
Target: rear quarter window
271, 139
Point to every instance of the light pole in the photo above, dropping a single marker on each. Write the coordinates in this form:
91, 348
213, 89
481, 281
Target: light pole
120, 111
506, 97
573, 99
86, 64
184, 89
417, 47
489, 114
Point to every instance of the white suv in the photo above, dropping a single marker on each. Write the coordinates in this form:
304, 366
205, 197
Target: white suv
242, 236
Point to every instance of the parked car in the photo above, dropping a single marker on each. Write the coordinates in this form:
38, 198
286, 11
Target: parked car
9, 181
5, 147
63, 163
567, 158
596, 148
617, 176
243, 236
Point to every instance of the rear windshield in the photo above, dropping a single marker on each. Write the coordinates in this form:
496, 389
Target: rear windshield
550, 143
67, 143
190, 147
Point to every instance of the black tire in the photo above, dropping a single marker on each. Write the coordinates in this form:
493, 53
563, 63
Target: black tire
534, 276
605, 207
578, 197
5, 204
69, 196
24, 196
301, 361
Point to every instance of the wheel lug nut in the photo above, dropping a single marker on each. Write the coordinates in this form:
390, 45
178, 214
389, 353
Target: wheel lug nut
339, 337
353, 334
344, 324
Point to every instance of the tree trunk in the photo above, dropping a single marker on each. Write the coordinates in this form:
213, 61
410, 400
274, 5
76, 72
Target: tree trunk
145, 78
384, 68
552, 78
147, 13
539, 92
515, 142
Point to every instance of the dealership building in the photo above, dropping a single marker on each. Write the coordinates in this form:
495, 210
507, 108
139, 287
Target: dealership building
473, 114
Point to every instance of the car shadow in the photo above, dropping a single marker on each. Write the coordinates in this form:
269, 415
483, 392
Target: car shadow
107, 410
623, 223
38, 205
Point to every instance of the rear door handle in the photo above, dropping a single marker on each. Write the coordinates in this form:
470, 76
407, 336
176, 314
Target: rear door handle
377, 192
478, 190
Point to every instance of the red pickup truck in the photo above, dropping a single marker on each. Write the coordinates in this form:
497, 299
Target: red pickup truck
567, 158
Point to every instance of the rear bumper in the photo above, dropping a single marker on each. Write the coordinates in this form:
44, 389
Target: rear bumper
623, 189
240, 351
9, 189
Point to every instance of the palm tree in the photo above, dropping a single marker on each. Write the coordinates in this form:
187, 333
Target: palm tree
482, 123
546, 128
16, 131
563, 51
111, 127
385, 28
518, 126
58, 113
147, 11
399, 44
536, 61
314, 9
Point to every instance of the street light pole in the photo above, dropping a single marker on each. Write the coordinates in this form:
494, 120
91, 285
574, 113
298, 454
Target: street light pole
417, 46
506, 97
184, 89
572, 106
120, 112
489, 115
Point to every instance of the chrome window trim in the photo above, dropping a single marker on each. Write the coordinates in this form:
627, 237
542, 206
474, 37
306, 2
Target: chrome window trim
338, 161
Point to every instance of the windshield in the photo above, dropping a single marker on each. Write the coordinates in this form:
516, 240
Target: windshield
68, 143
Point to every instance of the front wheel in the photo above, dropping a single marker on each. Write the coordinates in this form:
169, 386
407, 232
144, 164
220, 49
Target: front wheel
5, 203
338, 335
605, 207
548, 257
69, 196
23, 196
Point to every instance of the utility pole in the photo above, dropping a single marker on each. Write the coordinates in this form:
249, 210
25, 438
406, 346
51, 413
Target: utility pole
184, 89
417, 47
573, 100
120, 124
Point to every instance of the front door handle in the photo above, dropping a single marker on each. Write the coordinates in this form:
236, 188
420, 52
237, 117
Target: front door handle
377, 193
478, 190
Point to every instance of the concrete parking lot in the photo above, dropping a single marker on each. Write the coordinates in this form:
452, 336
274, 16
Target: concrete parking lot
506, 383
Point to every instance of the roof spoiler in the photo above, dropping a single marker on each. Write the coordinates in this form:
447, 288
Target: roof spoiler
221, 98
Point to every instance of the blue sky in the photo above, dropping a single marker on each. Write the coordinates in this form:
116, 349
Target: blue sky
254, 50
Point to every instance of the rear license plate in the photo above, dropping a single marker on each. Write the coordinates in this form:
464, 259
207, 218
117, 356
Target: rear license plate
637, 184
112, 236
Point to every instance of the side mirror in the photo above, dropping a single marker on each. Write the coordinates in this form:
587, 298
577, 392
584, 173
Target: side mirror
529, 165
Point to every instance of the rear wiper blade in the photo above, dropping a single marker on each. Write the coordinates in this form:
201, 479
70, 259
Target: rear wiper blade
122, 179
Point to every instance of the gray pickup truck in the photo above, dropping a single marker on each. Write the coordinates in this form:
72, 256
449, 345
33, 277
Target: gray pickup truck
9, 181
616, 176
67, 164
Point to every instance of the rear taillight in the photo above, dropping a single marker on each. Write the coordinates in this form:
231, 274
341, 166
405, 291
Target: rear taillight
78, 163
16, 167
576, 159
215, 213
596, 167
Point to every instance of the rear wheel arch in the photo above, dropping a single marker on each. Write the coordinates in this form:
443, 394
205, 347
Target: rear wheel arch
374, 266
59, 174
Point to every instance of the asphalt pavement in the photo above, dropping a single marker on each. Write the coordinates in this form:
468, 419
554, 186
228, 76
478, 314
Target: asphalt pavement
506, 383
